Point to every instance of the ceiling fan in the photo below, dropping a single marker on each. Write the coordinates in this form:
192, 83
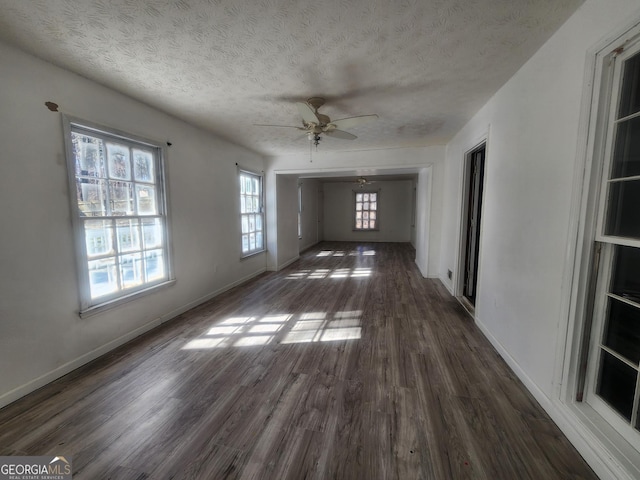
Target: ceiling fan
361, 182
315, 123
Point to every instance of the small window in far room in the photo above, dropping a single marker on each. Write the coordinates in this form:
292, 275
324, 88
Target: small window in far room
366, 211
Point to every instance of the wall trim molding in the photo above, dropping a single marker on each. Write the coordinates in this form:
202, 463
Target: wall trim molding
288, 262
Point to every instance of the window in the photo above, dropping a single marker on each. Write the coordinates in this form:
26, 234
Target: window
300, 211
366, 210
119, 213
251, 214
612, 385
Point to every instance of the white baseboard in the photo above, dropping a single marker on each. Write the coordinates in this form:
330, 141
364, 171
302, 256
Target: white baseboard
288, 262
591, 449
21, 391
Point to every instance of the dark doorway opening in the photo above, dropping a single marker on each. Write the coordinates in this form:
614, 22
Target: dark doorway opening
475, 182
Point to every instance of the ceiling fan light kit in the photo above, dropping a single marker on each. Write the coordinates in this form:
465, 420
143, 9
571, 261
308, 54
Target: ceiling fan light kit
316, 123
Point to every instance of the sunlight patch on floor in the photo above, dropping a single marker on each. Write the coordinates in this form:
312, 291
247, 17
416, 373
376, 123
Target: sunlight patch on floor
308, 327
321, 273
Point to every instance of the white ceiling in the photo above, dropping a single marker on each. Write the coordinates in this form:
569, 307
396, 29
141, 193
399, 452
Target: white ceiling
424, 66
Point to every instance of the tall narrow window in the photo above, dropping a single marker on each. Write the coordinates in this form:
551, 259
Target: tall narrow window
119, 211
300, 211
366, 210
614, 384
251, 213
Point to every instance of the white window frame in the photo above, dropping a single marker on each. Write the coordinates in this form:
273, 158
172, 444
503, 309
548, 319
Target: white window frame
257, 213
299, 211
88, 304
576, 383
606, 245
354, 210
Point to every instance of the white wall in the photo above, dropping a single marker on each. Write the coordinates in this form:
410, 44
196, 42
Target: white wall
41, 334
287, 214
532, 126
310, 213
394, 215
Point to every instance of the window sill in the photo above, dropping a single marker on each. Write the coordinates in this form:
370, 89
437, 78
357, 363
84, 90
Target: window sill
108, 305
252, 254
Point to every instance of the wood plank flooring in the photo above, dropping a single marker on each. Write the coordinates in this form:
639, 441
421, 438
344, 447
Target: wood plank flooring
346, 365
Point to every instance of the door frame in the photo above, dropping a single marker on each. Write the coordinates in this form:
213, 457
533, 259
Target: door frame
464, 213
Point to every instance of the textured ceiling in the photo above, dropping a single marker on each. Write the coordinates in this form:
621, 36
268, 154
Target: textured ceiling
424, 66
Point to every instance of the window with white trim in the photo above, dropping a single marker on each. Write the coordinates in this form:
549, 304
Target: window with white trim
300, 211
119, 213
613, 382
366, 210
251, 213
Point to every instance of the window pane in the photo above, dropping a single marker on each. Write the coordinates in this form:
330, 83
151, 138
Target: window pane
358, 215
372, 224
250, 210
630, 94
358, 197
372, 215
117, 177
623, 216
617, 384
121, 198
365, 197
119, 163
626, 155
102, 277
365, 224
92, 197
98, 237
146, 196
131, 270
623, 330
373, 197
143, 166
373, 206
365, 215
128, 235
358, 223
154, 265
152, 233
88, 154
625, 280
358, 206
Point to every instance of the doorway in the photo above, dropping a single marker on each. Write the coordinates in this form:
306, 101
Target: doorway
473, 207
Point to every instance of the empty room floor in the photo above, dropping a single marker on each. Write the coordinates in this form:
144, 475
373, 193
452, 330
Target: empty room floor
345, 365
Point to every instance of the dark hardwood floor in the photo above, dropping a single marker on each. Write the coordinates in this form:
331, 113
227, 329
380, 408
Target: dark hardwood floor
346, 365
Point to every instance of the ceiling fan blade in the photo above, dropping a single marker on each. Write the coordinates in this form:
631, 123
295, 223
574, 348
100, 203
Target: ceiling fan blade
284, 126
307, 113
341, 134
353, 121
